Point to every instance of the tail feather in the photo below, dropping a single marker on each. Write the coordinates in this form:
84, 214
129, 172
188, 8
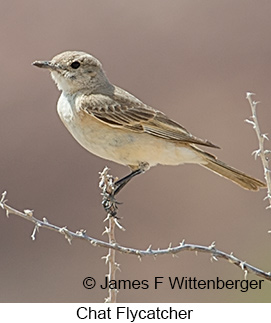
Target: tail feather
238, 177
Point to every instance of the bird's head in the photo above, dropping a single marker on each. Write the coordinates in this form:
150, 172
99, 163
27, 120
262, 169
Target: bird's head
74, 71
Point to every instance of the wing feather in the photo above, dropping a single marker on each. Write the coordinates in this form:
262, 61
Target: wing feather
121, 109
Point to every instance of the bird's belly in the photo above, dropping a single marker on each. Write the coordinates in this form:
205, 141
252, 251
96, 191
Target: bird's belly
121, 145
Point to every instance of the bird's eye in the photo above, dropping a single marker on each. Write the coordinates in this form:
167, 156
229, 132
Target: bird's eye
75, 65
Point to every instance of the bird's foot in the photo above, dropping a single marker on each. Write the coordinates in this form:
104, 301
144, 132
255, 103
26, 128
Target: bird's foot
110, 204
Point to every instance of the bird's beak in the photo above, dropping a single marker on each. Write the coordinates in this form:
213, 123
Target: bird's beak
45, 64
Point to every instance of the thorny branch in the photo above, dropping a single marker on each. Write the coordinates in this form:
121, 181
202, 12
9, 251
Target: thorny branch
183, 246
261, 151
111, 206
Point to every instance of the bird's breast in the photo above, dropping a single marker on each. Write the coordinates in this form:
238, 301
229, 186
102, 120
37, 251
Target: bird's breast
64, 109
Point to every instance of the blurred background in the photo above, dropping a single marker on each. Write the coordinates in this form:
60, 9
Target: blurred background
194, 60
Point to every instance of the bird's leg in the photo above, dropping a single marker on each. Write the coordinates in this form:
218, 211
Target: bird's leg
109, 202
125, 180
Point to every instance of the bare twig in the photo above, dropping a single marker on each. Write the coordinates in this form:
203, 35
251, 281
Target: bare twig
110, 205
261, 151
81, 234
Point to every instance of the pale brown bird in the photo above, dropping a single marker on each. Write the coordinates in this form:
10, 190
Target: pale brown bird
113, 124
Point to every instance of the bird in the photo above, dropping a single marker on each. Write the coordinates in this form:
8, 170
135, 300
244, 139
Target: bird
113, 124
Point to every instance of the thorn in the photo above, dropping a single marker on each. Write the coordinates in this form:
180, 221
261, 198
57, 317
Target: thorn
36, 229
106, 230
117, 267
250, 122
212, 246
106, 258
28, 212
3, 201
214, 258
107, 218
66, 233
249, 94
255, 103
119, 225
268, 196
182, 243
245, 274
256, 153
104, 171
265, 136
149, 248
242, 265
81, 232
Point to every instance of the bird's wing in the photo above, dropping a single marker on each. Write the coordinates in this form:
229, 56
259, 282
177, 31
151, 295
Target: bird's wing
122, 110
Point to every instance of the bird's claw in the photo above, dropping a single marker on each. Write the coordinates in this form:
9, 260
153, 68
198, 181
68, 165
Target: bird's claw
110, 204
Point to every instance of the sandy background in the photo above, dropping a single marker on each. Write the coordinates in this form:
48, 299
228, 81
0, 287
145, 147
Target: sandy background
194, 60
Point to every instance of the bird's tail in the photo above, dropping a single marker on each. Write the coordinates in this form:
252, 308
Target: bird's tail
236, 176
